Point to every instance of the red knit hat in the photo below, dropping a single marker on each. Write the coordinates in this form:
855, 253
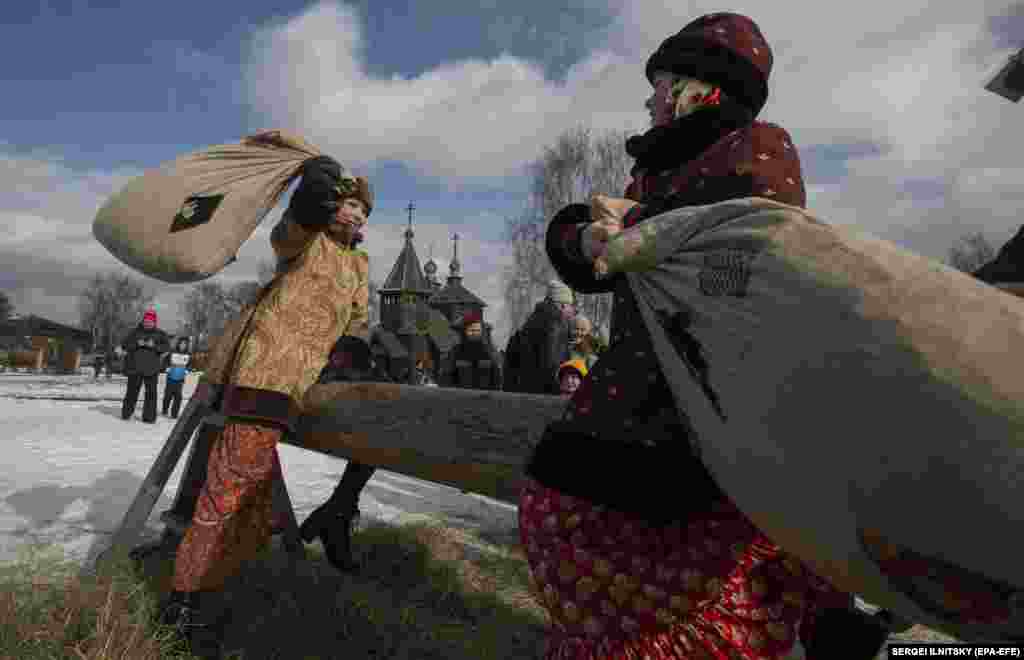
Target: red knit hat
150, 315
723, 49
470, 317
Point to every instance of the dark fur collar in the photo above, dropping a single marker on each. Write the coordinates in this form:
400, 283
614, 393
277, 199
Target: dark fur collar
667, 147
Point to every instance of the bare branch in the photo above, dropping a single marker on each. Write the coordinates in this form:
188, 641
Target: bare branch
971, 252
577, 165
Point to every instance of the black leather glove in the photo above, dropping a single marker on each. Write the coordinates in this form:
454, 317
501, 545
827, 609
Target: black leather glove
315, 201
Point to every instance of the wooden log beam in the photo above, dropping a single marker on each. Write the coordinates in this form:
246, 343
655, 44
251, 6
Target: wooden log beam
474, 440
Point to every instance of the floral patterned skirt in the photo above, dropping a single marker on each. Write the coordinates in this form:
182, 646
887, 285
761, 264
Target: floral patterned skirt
710, 588
233, 517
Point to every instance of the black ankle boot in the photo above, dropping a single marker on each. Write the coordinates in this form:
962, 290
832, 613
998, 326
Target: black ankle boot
190, 614
849, 634
335, 532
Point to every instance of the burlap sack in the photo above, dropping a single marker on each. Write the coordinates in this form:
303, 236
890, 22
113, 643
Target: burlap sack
186, 220
860, 403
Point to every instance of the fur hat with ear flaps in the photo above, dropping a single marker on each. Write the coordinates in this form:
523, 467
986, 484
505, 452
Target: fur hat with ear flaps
723, 49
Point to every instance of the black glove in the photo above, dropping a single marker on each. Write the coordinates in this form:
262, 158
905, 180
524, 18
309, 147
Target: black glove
574, 214
315, 201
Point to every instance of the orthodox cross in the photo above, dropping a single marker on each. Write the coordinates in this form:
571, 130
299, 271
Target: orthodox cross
455, 242
410, 209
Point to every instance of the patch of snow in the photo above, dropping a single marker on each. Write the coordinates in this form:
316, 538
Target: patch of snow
72, 468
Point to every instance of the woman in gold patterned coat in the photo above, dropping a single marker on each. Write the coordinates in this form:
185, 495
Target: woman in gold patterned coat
266, 360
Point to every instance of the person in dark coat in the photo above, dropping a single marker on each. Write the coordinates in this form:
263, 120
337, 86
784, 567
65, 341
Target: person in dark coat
332, 521
144, 349
535, 351
635, 548
176, 364
97, 366
473, 364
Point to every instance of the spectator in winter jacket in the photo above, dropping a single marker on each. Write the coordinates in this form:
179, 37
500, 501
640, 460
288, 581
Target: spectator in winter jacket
474, 362
145, 347
350, 361
636, 549
570, 375
583, 345
176, 363
536, 349
265, 360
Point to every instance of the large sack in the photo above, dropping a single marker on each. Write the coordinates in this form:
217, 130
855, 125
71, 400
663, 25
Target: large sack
185, 221
863, 405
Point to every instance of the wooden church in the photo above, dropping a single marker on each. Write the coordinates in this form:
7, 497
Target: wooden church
420, 317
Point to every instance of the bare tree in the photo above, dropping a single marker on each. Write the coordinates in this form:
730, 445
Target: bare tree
526, 278
109, 306
373, 308
6, 308
206, 309
578, 165
971, 252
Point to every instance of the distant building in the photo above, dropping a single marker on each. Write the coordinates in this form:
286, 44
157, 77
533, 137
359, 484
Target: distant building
34, 332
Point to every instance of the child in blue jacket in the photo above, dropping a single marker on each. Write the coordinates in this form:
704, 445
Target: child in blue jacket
176, 363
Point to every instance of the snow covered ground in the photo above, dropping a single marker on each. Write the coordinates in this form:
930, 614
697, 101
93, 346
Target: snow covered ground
71, 466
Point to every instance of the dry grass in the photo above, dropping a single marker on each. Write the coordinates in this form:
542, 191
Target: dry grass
48, 611
425, 592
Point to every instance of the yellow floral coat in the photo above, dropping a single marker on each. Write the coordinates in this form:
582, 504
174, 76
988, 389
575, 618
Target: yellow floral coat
269, 355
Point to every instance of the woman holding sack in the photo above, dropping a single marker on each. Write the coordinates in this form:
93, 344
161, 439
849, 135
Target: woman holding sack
635, 550
266, 360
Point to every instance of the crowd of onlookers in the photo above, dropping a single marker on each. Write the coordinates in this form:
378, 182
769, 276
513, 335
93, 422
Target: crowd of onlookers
554, 349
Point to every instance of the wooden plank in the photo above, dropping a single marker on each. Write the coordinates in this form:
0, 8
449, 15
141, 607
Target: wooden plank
156, 480
474, 440
285, 512
194, 475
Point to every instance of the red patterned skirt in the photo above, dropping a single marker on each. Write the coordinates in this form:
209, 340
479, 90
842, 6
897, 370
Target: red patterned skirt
712, 588
233, 520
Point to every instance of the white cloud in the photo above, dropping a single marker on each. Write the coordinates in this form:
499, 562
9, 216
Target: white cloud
468, 118
906, 75
49, 251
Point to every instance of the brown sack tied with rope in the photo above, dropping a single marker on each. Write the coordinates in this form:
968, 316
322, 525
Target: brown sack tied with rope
185, 220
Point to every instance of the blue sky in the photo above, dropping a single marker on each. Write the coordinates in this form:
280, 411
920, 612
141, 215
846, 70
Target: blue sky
444, 102
111, 84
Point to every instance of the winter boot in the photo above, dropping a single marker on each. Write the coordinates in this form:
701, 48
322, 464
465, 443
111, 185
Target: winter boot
847, 633
190, 613
334, 530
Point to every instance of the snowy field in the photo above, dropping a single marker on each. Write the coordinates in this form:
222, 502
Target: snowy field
71, 467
